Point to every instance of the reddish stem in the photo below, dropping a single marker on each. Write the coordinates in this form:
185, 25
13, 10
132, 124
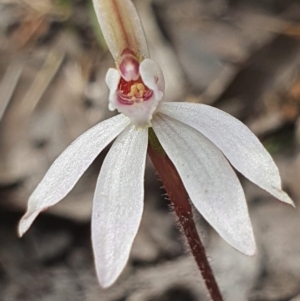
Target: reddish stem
180, 199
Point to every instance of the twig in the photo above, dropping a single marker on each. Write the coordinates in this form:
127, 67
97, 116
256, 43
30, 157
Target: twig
8, 85
41, 82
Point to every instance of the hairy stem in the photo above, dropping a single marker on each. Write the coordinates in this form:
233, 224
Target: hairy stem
179, 198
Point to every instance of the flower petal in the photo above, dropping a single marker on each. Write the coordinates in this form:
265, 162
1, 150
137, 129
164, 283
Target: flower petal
121, 27
153, 77
235, 140
209, 180
112, 79
69, 167
118, 203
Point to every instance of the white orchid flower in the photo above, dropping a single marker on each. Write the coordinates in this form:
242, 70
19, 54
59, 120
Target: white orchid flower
200, 140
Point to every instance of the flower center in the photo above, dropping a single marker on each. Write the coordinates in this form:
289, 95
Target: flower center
134, 91
131, 88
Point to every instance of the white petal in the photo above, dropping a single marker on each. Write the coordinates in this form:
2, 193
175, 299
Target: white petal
209, 180
121, 27
118, 203
153, 77
112, 79
69, 167
235, 140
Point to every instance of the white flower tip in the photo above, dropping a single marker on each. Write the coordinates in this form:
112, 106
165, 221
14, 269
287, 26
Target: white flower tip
107, 279
245, 243
282, 196
241, 236
26, 221
109, 271
250, 250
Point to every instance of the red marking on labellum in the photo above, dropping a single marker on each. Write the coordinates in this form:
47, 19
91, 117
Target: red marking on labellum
134, 91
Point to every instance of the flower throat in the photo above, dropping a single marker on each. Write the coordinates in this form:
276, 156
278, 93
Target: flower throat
131, 88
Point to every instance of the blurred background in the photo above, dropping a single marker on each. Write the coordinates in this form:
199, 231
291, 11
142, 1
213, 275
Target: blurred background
241, 56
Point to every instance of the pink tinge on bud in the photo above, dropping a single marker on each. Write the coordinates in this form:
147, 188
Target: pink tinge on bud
129, 66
